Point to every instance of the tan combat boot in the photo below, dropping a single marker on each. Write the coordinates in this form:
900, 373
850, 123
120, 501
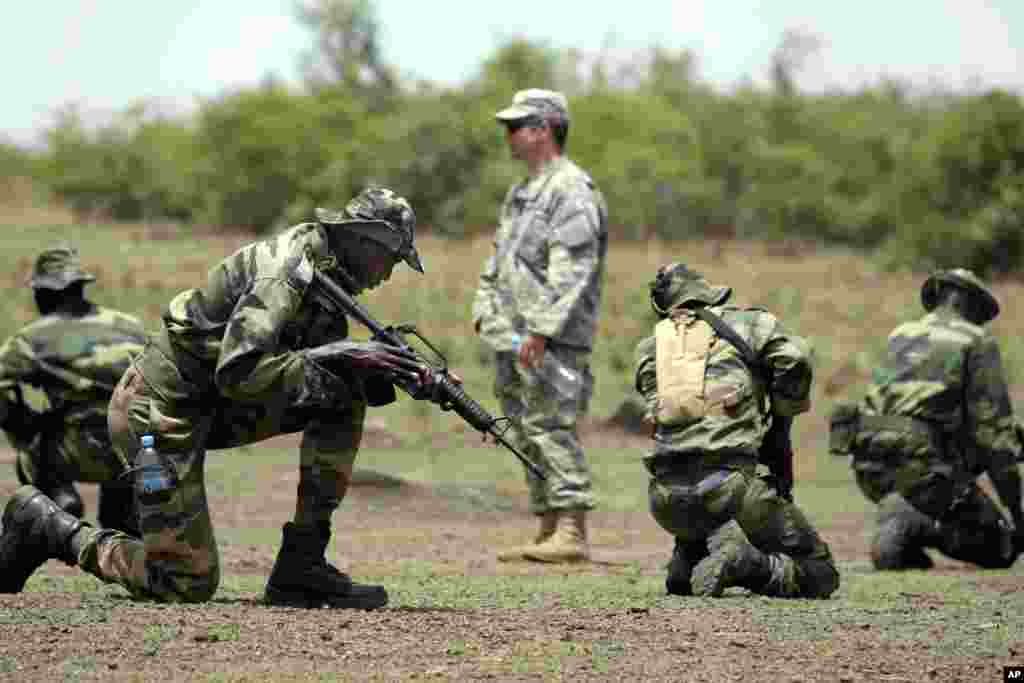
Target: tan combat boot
547, 528
567, 544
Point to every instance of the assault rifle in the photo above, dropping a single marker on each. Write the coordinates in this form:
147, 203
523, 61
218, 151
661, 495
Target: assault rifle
448, 394
777, 448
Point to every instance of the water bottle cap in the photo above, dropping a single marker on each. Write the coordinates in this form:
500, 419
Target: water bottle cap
147, 440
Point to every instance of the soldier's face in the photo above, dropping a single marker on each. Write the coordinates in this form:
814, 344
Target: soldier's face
379, 263
523, 138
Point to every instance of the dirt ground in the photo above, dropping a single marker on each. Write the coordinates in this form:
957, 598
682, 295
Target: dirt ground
383, 523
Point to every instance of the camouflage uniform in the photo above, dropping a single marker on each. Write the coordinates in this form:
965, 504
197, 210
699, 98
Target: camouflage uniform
704, 489
938, 414
75, 355
231, 366
545, 278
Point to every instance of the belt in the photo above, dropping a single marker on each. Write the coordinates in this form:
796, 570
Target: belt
698, 461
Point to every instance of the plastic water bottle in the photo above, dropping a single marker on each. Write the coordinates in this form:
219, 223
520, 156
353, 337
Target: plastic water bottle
155, 478
562, 379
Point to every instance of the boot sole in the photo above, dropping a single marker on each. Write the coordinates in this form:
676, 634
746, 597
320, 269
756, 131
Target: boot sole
361, 597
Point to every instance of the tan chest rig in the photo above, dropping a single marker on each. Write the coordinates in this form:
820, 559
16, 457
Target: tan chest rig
683, 345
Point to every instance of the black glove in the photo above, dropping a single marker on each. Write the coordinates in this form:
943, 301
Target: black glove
370, 358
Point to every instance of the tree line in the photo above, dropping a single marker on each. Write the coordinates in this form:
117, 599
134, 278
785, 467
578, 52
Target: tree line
932, 179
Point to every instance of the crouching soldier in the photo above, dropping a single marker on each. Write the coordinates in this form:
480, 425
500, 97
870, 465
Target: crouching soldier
75, 353
255, 351
714, 376
936, 416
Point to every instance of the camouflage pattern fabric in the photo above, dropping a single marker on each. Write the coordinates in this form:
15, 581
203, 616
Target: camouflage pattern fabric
545, 278
695, 499
544, 429
945, 373
546, 272
740, 428
57, 268
976, 533
703, 471
76, 360
229, 368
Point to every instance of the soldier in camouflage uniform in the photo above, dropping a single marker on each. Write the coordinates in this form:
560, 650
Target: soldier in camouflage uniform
731, 526
937, 415
254, 352
539, 294
75, 354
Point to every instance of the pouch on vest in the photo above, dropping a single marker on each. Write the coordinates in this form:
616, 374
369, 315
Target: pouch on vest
843, 425
683, 343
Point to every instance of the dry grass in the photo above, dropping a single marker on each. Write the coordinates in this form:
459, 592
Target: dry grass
838, 298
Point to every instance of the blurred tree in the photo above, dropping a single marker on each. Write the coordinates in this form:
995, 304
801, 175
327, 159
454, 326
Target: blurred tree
348, 50
258, 147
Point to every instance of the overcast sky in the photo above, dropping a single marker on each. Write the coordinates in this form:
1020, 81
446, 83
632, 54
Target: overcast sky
104, 54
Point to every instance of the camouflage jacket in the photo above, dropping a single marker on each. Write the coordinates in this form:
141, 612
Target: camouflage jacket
546, 272
241, 336
76, 360
947, 371
740, 427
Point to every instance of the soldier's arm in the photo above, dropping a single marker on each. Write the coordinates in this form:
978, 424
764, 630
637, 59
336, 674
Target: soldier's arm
646, 382
251, 364
790, 359
484, 301
990, 424
574, 260
16, 366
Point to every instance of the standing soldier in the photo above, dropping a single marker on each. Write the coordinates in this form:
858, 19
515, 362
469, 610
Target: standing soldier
75, 354
714, 377
254, 352
936, 416
537, 306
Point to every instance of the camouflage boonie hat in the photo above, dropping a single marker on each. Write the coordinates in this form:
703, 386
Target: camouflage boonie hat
965, 280
382, 216
675, 286
57, 268
543, 104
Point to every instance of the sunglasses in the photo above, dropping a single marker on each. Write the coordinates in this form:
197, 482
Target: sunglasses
528, 122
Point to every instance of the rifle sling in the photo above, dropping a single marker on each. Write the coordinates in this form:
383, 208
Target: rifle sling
726, 332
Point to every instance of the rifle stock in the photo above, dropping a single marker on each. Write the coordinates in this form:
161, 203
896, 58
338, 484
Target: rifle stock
445, 392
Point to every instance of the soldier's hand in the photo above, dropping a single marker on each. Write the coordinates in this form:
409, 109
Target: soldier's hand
371, 357
531, 350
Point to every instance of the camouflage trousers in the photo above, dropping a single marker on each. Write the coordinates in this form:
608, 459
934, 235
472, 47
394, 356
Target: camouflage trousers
692, 499
544, 428
177, 558
973, 530
78, 452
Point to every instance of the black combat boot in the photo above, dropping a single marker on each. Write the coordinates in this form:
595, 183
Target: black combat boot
732, 561
35, 530
117, 509
301, 577
680, 567
902, 535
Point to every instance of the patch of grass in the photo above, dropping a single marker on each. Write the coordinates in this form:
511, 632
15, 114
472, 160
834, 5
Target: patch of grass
220, 633
75, 667
155, 635
8, 664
